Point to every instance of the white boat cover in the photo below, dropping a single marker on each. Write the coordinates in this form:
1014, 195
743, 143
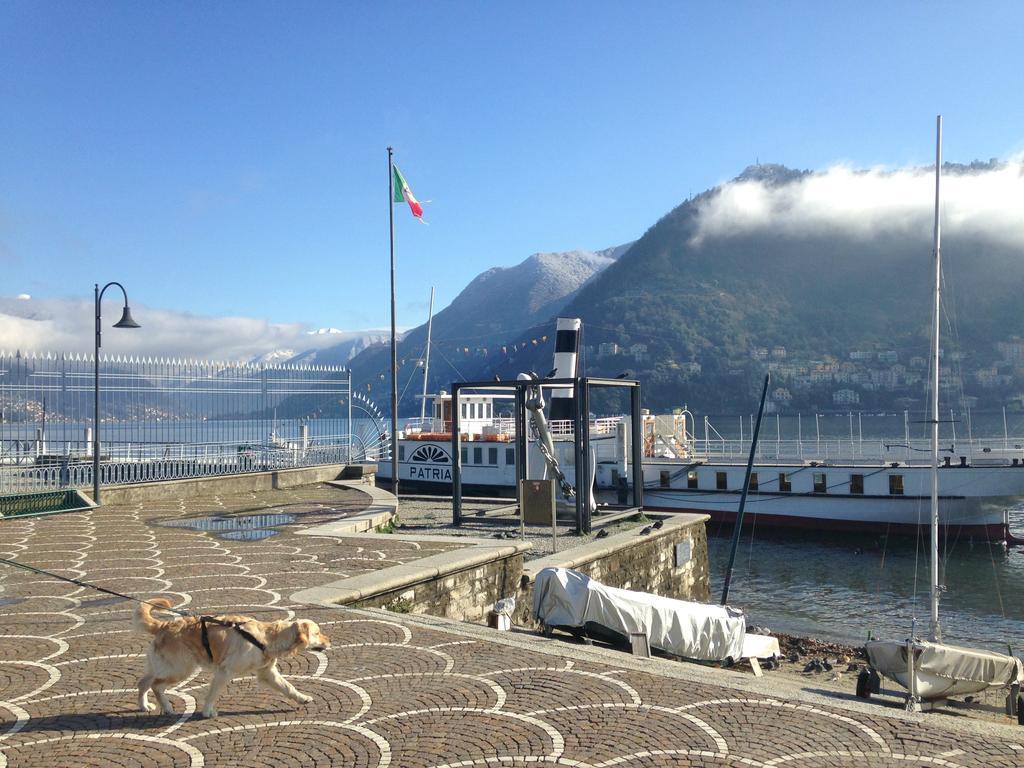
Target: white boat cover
566, 598
944, 670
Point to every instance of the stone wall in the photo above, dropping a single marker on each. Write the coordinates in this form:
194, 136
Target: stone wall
466, 595
224, 484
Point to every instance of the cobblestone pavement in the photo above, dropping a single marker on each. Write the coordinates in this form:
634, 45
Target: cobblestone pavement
390, 692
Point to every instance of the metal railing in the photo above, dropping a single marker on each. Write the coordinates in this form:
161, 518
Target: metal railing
868, 451
166, 419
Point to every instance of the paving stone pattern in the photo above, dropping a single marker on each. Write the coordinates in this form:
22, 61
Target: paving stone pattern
389, 693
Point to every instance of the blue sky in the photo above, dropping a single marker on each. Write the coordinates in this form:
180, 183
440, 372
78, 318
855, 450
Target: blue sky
229, 158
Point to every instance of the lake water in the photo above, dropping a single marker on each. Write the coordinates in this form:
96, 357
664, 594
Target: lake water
841, 587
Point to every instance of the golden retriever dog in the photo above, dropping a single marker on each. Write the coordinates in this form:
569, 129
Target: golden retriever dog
231, 649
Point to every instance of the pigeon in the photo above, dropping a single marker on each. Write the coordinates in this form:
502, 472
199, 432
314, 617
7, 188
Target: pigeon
497, 377
602, 534
645, 531
481, 512
814, 665
852, 666
551, 373
793, 657
658, 524
623, 375
827, 667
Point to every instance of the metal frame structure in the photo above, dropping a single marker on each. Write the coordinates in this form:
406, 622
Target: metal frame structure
581, 432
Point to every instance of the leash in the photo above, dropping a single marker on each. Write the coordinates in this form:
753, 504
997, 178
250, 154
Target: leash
203, 620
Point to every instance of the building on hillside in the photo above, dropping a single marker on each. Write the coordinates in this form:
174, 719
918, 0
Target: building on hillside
987, 377
1011, 350
608, 348
778, 352
845, 397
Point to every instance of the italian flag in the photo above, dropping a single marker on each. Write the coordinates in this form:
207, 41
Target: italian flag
404, 195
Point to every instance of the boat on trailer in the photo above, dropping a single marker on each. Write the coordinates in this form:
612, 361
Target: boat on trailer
929, 669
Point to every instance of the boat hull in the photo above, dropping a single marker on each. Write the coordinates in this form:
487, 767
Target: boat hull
992, 530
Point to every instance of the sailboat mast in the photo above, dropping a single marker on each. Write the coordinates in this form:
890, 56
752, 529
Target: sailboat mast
426, 359
936, 633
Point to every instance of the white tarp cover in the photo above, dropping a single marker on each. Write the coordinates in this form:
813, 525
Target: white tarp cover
565, 598
944, 670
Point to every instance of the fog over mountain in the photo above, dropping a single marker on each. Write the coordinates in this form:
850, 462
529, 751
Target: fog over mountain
981, 200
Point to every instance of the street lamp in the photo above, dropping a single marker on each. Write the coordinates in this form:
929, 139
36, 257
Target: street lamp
126, 321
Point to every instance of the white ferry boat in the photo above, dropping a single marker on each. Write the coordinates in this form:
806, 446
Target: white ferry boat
857, 486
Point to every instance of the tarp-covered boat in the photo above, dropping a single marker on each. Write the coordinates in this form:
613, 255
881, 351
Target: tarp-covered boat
943, 670
566, 598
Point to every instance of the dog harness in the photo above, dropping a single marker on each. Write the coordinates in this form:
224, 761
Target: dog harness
235, 625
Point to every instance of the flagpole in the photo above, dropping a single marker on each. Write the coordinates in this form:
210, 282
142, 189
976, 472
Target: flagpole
394, 341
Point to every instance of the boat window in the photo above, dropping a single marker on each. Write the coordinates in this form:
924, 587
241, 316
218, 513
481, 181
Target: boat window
465, 410
510, 456
664, 478
465, 455
896, 485
490, 410
401, 453
492, 455
820, 483
691, 478
478, 455
752, 485
856, 483
785, 485
722, 481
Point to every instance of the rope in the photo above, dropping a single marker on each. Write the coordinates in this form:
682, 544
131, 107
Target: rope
87, 585
185, 614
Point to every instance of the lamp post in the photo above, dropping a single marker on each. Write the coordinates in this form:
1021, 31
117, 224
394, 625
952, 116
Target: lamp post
126, 321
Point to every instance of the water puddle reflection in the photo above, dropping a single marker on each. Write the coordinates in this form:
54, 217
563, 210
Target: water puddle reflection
236, 528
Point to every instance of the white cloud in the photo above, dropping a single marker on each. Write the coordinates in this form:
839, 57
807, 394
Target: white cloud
66, 325
864, 204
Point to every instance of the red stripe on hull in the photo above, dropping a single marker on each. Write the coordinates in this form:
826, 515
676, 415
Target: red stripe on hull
984, 532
